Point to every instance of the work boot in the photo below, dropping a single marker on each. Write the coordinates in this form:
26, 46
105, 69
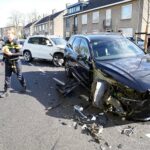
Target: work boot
5, 94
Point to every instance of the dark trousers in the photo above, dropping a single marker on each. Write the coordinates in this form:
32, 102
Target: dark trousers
13, 67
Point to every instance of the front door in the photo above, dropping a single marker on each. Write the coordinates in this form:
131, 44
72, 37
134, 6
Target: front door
45, 48
83, 61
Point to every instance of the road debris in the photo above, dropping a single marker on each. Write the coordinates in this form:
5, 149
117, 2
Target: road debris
63, 123
90, 124
78, 110
119, 146
75, 125
128, 131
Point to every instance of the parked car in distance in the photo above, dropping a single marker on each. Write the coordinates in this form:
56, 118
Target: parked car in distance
139, 42
115, 71
44, 47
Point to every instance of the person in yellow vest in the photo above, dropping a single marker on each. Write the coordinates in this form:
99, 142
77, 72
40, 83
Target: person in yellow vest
11, 53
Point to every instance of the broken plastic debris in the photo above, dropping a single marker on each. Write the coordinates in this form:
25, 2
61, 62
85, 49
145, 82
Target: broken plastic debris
84, 127
75, 125
100, 130
93, 118
128, 131
78, 109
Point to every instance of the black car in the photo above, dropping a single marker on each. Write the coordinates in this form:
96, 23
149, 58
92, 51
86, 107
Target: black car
114, 70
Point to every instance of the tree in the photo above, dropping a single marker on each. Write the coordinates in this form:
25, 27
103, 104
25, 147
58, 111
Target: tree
147, 21
17, 19
33, 16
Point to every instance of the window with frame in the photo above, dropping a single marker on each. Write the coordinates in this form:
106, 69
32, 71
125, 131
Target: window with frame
108, 17
95, 17
43, 27
34, 40
84, 48
84, 19
126, 12
76, 44
39, 28
68, 23
46, 26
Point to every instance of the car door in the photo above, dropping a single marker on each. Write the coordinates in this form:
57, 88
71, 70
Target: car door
46, 48
73, 53
83, 60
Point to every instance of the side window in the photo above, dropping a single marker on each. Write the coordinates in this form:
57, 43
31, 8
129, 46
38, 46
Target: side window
84, 48
76, 44
34, 40
44, 41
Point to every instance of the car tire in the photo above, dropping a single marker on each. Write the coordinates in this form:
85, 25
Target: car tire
27, 56
58, 60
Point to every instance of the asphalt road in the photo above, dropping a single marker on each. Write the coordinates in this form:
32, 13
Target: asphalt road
26, 124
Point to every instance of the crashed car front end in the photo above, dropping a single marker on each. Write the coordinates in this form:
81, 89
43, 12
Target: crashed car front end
111, 95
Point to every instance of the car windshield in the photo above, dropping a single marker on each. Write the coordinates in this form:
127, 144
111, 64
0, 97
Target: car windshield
114, 48
59, 41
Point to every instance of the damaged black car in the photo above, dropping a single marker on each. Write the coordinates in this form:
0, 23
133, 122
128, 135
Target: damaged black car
115, 71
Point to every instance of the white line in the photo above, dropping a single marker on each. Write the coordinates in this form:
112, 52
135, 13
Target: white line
41, 70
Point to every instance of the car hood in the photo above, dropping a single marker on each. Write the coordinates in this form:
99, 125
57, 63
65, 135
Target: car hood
61, 46
133, 72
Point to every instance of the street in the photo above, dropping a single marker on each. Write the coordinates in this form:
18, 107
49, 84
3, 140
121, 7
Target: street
28, 123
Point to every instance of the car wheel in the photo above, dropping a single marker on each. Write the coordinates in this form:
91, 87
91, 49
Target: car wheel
27, 56
58, 60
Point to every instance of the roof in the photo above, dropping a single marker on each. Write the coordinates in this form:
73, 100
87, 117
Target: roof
47, 18
45, 36
29, 24
93, 4
101, 35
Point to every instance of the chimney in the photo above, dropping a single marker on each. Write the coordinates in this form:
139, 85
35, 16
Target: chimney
54, 11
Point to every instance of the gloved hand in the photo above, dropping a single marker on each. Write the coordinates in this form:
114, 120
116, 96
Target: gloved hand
6, 51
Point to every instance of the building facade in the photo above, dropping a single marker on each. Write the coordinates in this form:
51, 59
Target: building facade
94, 16
28, 30
50, 25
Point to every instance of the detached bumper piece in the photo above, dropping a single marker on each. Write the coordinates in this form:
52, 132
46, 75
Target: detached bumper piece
68, 87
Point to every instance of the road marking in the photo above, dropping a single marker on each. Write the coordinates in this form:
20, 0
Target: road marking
41, 70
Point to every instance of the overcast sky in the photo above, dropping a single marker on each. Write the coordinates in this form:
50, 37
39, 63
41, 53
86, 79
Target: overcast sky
28, 6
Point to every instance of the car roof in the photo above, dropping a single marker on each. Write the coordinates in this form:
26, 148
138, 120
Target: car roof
91, 37
46, 36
